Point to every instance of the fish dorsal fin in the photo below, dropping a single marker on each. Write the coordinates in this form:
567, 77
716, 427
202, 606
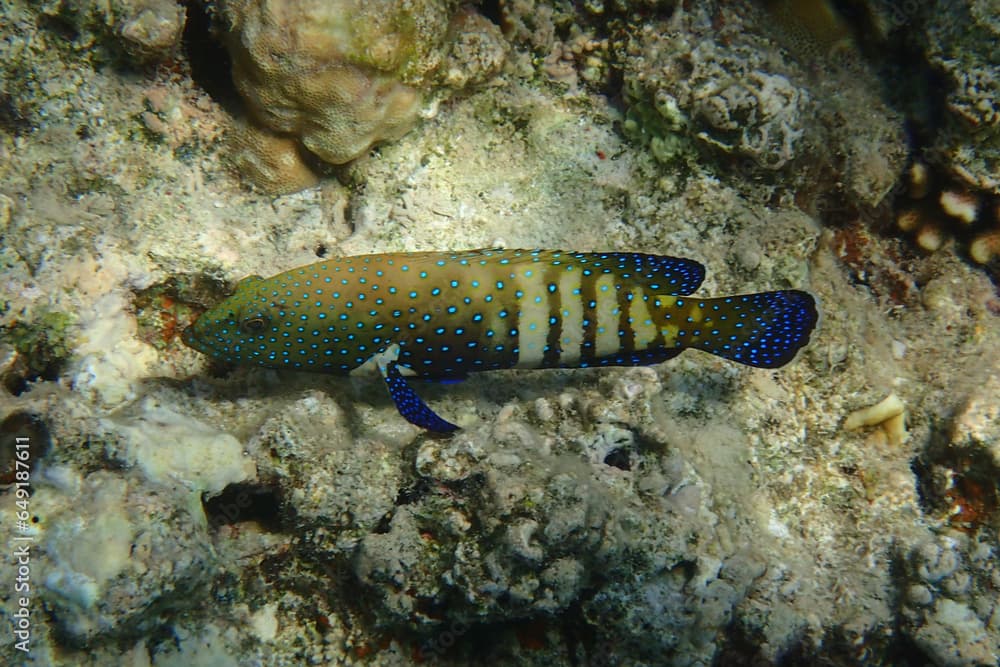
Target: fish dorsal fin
661, 274
658, 273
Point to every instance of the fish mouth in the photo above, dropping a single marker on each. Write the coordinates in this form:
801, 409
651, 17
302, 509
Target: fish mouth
215, 348
188, 338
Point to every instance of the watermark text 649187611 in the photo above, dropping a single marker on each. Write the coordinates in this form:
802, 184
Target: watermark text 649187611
22, 542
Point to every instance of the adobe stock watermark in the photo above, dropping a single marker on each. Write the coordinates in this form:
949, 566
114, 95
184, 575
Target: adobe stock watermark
440, 643
23, 539
902, 13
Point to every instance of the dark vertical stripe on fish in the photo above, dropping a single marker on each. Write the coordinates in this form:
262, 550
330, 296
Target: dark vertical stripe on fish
553, 340
626, 334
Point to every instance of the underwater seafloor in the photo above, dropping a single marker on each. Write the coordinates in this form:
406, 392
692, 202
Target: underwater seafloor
158, 509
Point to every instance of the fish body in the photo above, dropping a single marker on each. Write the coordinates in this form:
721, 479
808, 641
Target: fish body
442, 315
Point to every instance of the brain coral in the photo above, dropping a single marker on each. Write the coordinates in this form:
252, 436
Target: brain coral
339, 75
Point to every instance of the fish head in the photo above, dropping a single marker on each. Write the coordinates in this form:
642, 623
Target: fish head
236, 326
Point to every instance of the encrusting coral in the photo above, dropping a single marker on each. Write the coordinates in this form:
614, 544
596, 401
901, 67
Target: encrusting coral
271, 162
707, 81
147, 30
342, 76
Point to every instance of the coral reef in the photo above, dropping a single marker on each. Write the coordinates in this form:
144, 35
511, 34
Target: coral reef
952, 188
142, 554
338, 487
947, 608
977, 425
493, 534
40, 348
959, 471
149, 29
188, 513
146, 30
273, 163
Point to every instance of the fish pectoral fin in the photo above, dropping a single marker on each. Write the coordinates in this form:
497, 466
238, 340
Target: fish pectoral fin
411, 406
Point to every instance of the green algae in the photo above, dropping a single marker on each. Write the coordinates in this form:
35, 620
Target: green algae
658, 125
44, 344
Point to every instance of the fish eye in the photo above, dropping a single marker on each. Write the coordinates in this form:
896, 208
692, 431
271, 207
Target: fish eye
253, 324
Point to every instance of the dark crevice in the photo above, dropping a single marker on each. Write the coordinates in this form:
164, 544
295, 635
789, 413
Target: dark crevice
413, 493
491, 9
208, 58
58, 25
619, 458
165, 309
15, 115
239, 503
958, 483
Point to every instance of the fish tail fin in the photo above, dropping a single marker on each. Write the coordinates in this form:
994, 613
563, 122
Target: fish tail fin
764, 330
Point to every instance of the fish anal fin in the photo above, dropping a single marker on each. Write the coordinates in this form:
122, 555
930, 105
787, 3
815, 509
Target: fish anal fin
443, 379
648, 358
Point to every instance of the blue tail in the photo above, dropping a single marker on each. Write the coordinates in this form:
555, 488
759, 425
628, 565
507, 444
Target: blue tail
763, 330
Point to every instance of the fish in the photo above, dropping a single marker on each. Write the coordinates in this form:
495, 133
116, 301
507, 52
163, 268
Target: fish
442, 315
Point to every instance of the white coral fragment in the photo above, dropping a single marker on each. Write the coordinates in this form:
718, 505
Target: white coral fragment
890, 413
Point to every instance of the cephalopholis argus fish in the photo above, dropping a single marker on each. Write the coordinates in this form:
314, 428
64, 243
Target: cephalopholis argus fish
442, 315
